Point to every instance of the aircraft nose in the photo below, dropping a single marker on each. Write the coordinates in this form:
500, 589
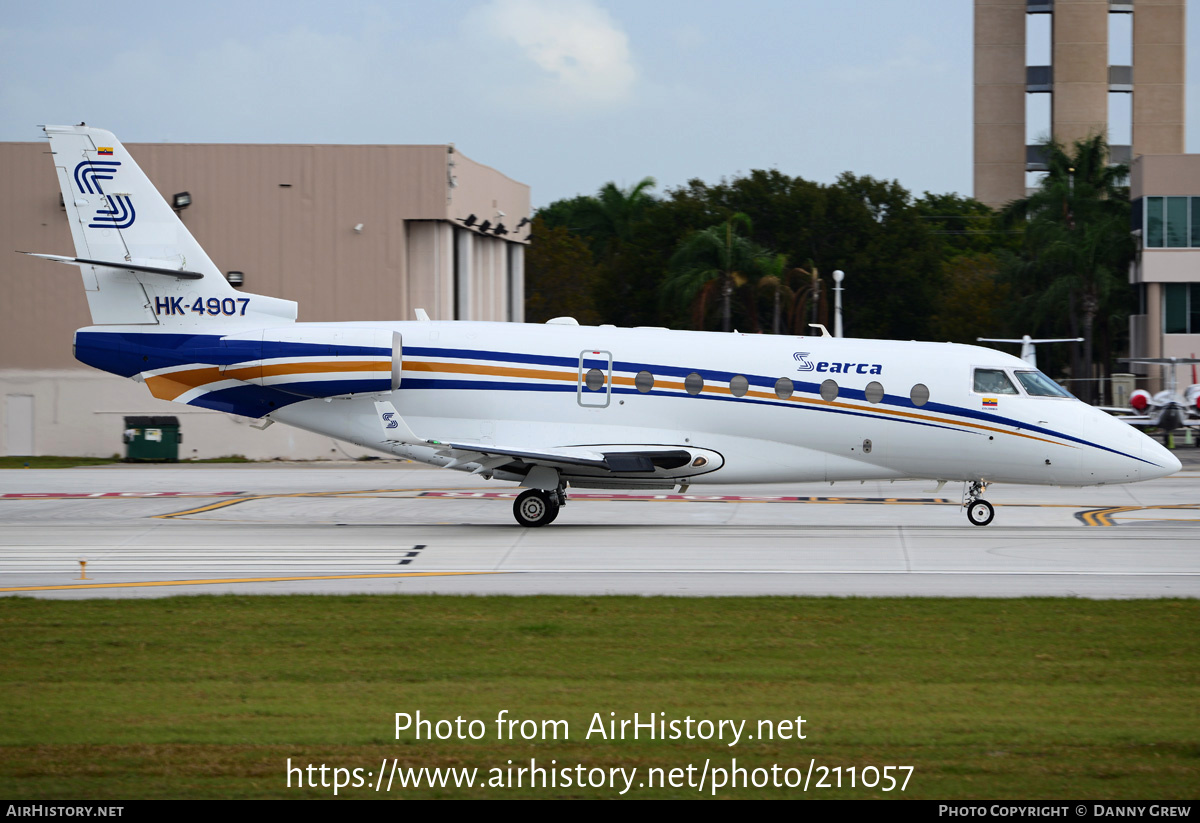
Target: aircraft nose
1164, 463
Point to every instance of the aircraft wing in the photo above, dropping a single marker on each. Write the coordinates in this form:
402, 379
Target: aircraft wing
1131, 419
1143, 421
613, 461
1118, 411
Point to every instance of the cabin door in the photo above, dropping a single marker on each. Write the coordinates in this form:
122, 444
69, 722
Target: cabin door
594, 387
397, 359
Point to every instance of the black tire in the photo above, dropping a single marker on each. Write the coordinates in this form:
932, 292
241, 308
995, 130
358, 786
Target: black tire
535, 507
980, 512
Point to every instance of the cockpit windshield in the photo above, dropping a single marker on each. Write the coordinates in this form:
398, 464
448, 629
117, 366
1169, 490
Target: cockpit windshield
1039, 385
993, 381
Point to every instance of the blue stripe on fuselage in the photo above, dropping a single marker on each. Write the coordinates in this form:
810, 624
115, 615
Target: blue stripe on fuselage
246, 400
129, 353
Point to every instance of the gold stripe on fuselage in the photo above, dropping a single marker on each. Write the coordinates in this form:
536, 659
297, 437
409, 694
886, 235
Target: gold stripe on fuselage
170, 385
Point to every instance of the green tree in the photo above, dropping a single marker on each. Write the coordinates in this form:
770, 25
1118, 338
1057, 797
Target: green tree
897, 251
611, 215
964, 226
608, 222
973, 302
713, 262
560, 277
1077, 244
867, 227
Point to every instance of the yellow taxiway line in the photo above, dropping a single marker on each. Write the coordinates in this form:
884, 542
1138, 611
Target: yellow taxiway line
1103, 517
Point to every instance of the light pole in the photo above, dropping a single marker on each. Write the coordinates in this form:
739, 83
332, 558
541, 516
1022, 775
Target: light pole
838, 276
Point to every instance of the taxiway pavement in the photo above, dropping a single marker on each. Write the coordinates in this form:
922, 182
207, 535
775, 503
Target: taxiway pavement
387, 527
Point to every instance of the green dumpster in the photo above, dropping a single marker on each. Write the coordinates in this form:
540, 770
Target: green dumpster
152, 439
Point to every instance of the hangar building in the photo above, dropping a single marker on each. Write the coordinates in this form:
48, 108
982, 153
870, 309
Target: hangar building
367, 232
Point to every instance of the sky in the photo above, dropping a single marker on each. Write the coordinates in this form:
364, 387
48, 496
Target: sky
564, 95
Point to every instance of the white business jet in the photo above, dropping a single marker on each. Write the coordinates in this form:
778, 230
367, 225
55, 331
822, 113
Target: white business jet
559, 405
1168, 409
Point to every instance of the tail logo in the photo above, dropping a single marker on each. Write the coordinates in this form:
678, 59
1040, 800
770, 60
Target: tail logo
120, 213
391, 424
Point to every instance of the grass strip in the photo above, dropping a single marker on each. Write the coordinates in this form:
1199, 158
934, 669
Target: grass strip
53, 461
209, 696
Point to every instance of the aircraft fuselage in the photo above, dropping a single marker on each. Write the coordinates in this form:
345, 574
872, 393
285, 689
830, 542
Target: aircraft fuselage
890, 409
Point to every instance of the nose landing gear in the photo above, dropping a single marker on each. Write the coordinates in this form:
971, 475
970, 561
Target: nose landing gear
536, 507
979, 511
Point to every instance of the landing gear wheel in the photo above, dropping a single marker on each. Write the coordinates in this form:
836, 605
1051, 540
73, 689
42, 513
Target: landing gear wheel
980, 512
535, 507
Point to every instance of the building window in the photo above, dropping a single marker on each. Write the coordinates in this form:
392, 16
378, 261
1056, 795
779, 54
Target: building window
1181, 308
1171, 222
1177, 222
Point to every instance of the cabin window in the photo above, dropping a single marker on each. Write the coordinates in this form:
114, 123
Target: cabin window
993, 381
874, 392
644, 381
693, 383
783, 388
919, 394
1039, 385
829, 391
739, 385
594, 380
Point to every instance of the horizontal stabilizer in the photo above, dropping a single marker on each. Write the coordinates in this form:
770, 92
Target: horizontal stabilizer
1161, 361
1029, 340
118, 265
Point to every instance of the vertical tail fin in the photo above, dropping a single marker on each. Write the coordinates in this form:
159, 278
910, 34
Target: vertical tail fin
117, 216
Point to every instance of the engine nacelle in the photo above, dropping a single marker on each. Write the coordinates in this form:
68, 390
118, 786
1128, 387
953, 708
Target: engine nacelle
1192, 395
1140, 401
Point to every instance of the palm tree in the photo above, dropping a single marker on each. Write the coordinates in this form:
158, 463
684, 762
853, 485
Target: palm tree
609, 217
1077, 241
791, 291
713, 261
609, 221
773, 281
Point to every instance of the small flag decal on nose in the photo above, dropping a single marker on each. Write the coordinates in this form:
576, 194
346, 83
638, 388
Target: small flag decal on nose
990, 403
104, 150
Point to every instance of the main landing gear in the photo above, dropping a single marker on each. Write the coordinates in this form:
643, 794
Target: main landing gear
979, 511
536, 507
